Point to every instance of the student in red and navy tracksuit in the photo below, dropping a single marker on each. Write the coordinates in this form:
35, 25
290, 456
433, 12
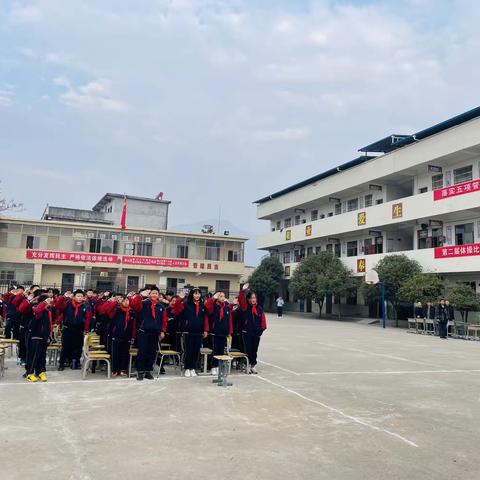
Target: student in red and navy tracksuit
40, 331
24, 308
254, 324
193, 319
76, 322
152, 325
122, 332
220, 314
12, 317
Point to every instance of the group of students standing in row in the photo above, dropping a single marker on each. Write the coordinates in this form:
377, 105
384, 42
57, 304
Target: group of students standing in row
442, 313
141, 319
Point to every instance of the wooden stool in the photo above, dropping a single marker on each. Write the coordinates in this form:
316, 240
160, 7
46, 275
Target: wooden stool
223, 370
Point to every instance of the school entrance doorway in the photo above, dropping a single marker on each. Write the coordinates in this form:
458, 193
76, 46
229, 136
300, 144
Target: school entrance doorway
132, 283
104, 286
68, 281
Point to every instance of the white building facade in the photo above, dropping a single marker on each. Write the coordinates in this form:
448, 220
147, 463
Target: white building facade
414, 194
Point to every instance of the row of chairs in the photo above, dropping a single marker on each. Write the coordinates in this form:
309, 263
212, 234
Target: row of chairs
93, 351
455, 328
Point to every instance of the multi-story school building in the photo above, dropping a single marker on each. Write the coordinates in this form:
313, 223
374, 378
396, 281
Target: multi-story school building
414, 194
71, 248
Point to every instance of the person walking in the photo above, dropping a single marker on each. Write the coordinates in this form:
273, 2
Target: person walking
280, 304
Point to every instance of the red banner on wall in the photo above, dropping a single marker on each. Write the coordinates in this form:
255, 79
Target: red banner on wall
454, 190
71, 256
458, 251
155, 261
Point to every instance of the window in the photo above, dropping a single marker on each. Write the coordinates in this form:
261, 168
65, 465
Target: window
144, 249
129, 249
318, 250
95, 245
352, 248
423, 190
288, 222
422, 239
368, 200
286, 257
7, 275
464, 234
78, 245
338, 208
32, 242
309, 251
437, 181
338, 250
437, 237
352, 204
379, 201
233, 256
107, 246
182, 251
314, 215
463, 174
279, 225
297, 219
223, 286
212, 250
329, 247
172, 283
330, 214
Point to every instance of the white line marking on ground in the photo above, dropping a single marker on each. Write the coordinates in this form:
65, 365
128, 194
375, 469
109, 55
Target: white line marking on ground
105, 380
389, 372
392, 357
340, 413
280, 368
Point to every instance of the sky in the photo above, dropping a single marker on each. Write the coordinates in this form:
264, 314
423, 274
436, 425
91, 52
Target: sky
213, 102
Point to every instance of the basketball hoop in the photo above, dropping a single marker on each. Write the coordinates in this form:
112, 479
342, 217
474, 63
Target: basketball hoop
371, 277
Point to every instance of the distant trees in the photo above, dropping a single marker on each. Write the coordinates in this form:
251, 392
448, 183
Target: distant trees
464, 299
265, 280
423, 288
6, 205
318, 276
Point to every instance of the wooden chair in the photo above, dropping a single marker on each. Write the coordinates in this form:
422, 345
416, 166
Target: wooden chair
460, 329
94, 355
224, 368
430, 326
450, 328
237, 355
53, 351
133, 353
162, 353
10, 343
205, 352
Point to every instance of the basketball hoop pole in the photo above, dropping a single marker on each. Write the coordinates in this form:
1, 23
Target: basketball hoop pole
384, 313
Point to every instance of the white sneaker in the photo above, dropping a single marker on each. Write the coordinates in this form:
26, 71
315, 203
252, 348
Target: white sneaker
188, 373
193, 373
214, 371
253, 369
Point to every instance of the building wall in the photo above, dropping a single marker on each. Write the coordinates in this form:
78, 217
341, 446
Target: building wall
140, 214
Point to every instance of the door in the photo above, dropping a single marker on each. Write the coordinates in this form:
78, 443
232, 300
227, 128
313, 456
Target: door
328, 304
104, 286
132, 283
68, 281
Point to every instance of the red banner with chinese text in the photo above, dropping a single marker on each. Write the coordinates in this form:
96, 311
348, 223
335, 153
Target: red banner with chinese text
155, 261
454, 190
458, 251
71, 256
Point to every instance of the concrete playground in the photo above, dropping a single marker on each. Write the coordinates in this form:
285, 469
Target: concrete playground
332, 400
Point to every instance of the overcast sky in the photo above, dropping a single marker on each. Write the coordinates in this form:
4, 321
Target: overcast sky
217, 102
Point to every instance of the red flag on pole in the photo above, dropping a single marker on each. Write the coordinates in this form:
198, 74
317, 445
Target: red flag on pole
123, 220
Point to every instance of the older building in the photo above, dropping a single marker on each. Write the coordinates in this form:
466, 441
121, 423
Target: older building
74, 254
414, 194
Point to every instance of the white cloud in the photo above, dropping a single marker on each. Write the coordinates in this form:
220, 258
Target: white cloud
7, 94
95, 95
282, 135
25, 14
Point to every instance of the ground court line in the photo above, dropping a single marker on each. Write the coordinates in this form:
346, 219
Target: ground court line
280, 368
339, 412
385, 355
388, 372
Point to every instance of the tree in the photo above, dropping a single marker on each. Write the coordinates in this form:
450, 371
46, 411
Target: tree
464, 298
6, 205
394, 271
319, 276
265, 280
422, 288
